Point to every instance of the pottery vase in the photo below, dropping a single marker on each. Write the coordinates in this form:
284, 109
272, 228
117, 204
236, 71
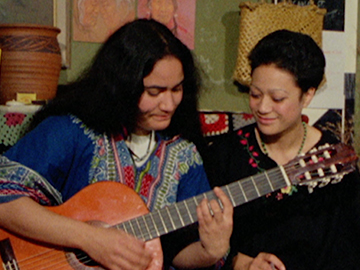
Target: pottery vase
30, 61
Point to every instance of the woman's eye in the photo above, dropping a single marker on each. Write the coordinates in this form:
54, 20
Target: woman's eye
153, 91
278, 99
177, 88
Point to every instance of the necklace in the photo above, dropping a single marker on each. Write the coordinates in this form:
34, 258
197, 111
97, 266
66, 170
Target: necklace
136, 157
301, 146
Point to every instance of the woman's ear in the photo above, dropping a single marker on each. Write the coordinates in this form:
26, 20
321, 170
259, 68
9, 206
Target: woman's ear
308, 96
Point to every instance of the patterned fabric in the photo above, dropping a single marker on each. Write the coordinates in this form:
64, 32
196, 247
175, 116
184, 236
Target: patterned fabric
68, 156
14, 121
291, 222
216, 123
13, 126
16, 180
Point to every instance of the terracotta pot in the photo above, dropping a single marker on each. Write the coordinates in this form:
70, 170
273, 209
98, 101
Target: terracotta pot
30, 61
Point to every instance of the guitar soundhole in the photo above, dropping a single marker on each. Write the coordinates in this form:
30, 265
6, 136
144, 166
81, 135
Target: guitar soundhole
79, 260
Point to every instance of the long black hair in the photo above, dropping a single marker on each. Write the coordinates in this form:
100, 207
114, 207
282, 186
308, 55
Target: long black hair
105, 97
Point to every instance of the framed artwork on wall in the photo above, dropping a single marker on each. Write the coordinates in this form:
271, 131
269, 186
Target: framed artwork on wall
178, 16
61, 19
95, 21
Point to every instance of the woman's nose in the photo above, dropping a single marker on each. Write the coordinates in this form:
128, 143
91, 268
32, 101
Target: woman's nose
167, 102
264, 105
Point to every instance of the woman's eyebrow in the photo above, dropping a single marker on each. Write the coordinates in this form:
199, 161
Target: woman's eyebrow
163, 87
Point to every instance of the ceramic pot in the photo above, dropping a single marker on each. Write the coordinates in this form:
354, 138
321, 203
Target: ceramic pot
30, 61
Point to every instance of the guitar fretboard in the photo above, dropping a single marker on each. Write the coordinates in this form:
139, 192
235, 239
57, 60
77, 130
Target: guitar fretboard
182, 214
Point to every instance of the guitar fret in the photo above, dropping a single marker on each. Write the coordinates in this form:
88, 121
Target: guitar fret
153, 231
268, 179
250, 188
195, 201
284, 174
171, 220
188, 211
210, 195
228, 193
134, 228
178, 212
153, 221
162, 220
131, 229
141, 234
146, 227
122, 226
242, 190
163, 229
263, 185
253, 181
176, 217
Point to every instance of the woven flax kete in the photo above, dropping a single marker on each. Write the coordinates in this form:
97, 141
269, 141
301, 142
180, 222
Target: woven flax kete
260, 19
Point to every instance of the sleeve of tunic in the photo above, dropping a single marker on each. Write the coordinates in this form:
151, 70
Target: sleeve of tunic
52, 150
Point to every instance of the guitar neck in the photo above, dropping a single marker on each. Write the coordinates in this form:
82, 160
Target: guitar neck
182, 214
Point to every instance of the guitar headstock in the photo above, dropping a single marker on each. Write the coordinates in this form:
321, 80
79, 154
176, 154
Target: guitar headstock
318, 167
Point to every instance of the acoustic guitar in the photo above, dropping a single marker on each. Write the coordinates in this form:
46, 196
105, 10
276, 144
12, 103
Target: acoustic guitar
121, 208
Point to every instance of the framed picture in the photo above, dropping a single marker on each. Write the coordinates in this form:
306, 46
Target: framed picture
96, 20
61, 19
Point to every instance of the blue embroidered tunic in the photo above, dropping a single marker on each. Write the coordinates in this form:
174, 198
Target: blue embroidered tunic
62, 156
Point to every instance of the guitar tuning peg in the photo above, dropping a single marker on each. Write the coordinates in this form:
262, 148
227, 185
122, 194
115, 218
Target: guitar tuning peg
324, 182
326, 145
311, 185
337, 179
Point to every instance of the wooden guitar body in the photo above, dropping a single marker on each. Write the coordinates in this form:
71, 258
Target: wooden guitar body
108, 202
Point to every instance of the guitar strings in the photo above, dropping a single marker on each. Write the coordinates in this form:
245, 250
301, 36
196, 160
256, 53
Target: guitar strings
53, 259
59, 259
246, 185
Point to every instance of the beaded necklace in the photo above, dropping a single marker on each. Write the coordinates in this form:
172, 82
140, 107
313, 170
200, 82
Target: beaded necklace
301, 146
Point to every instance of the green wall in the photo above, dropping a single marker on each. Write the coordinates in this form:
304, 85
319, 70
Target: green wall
216, 32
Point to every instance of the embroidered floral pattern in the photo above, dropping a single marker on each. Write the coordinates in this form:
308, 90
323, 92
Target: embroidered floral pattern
244, 140
103, 164
254, 161
157, 180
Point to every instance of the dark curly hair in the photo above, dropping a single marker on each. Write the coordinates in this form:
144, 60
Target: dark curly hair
105, 97
295, 52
